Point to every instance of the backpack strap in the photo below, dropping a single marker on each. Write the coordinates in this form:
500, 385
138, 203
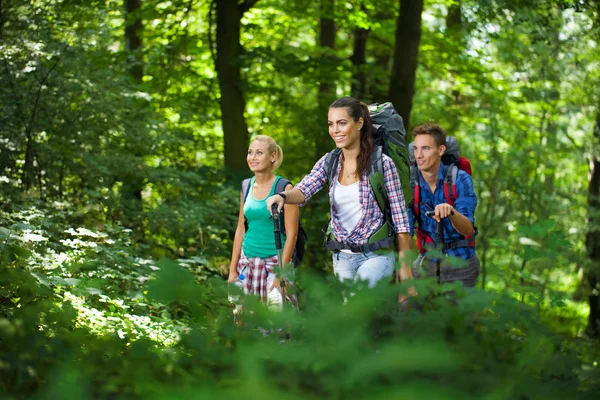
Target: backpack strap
331, 164
376, 179
280, 187
281, 184
384, 237
450, 177
245, 189
416, 189
423, 240
386, 243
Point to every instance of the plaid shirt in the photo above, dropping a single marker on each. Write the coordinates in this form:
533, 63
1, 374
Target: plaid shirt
465, 204
372, 218
256, 271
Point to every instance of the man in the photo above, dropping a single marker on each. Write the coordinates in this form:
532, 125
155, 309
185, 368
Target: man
457, 218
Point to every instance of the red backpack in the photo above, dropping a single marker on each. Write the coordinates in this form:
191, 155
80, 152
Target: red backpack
453, 162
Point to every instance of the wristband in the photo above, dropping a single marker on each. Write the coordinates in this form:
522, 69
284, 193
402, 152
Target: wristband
282, 194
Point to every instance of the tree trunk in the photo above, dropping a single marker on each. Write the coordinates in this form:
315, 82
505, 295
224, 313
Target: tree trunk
455, 41
359, 61
406, 54
133, 37
592, 242
1, 20
227, 65
132, 179
326, 94
454, 18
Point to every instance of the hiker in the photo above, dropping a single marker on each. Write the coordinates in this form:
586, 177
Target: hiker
355, 214
254, 256
457, 219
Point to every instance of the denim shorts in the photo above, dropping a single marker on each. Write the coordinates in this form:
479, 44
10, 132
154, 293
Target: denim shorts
370, 267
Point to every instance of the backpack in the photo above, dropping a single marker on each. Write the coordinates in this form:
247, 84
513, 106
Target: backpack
302, 237
389, 138
453, 162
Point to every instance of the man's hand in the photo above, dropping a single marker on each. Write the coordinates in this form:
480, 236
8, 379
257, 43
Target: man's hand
442, 211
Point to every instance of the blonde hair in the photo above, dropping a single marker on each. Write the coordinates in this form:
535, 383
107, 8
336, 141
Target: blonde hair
272, 147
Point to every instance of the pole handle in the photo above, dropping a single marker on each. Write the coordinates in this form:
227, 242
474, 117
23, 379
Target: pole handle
276, 228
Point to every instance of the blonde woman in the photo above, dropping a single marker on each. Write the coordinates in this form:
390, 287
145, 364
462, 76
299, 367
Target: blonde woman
254, 255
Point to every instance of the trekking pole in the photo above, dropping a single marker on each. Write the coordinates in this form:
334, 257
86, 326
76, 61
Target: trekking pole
277, 232
439, 240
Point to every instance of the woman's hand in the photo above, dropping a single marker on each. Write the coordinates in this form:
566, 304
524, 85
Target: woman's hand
404, 274
233, 276
275, 199
275, 284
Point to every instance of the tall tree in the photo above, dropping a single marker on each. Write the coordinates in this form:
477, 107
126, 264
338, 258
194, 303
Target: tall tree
133, 37
406, 55
131, 178
228, 67
359, 61
455, 37
593, 236
326, 94
454, 17
592, 242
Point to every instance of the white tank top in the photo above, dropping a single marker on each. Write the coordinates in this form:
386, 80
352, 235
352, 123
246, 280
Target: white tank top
346, 201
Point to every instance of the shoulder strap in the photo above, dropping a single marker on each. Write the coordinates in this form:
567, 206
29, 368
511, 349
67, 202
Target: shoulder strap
450, 183
280, 187
281, 184
331, 163
377, 181
416, 189
245, 189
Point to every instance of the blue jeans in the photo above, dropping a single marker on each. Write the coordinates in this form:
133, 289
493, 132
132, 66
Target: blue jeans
368, 267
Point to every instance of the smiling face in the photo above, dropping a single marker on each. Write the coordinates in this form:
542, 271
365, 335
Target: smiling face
259, 159
428, 154
343, 129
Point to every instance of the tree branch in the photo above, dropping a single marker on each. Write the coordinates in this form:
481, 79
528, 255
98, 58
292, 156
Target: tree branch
246, 5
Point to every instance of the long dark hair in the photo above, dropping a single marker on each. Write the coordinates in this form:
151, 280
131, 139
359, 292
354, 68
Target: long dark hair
357, 109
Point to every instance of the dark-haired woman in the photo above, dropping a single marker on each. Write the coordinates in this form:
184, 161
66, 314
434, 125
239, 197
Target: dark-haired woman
355, 214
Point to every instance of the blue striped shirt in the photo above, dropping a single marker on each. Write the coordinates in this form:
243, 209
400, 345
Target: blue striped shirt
465, 203
372, 218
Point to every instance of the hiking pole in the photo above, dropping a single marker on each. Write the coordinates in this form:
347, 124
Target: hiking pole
439, 239
277, 232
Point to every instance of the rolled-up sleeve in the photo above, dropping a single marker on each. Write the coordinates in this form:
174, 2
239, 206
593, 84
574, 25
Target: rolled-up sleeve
467, 200
396, 196
313, 182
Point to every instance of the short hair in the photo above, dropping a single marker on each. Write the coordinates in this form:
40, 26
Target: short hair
437, 132
272, 147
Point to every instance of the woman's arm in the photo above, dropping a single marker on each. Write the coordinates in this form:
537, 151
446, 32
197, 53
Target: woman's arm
291, 229
238, 239
308, 186
399, 217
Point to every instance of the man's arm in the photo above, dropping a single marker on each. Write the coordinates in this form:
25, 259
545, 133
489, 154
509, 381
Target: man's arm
462, 224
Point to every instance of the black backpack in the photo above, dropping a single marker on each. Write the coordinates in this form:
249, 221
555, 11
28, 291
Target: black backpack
301, 239
389, 137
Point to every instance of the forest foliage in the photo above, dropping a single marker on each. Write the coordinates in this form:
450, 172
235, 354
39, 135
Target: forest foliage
123, 132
